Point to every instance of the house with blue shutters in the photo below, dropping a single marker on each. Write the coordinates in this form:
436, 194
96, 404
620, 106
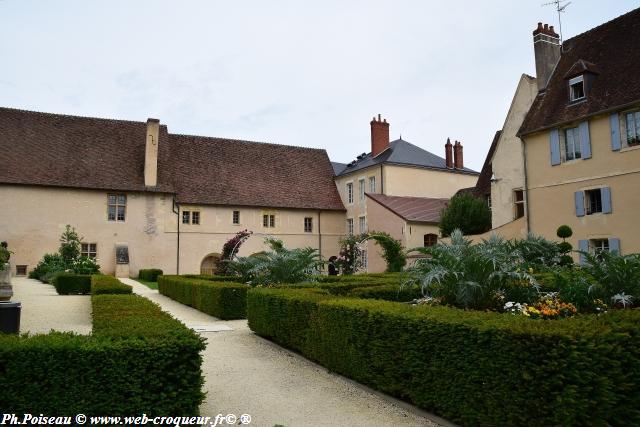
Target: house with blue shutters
581, 137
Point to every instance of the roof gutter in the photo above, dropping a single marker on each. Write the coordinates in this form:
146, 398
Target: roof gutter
176, 210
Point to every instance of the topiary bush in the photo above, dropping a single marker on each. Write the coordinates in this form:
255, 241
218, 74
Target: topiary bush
150, 275
224, 300
71, 283
138, 360
473, 368
101, 285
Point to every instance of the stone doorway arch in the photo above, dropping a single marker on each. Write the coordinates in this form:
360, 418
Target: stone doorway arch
209, 264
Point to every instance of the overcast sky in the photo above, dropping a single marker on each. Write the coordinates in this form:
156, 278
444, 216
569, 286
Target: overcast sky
309, 73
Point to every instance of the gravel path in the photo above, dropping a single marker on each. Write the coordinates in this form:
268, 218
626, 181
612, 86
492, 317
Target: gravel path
43, 309
246, 374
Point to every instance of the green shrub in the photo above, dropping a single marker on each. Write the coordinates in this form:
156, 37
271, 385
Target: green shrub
473, 368
342, 287
71, 283
467, 213
387, 292
138, 360
150, 275
617, 277
564, 232
213, 278
224, 300
108, 285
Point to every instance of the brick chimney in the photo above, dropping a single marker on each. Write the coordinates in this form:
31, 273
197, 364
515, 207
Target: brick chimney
151, 153
379, 136
448, 154
458, 162
547, 49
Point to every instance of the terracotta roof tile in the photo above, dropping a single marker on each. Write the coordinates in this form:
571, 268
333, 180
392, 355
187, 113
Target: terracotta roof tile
418, 209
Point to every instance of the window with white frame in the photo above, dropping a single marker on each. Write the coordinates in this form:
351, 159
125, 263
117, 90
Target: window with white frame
350, 226
308, 224
597, 246
89, 250
116, 207
576, 88
186, 217
269, 220
361, 189
630, 127
593, 201
195, 217
363, 259
571, 144
350, 192
372, 184
362, 224
191, 217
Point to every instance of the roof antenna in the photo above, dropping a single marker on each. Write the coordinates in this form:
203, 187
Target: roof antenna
561, 5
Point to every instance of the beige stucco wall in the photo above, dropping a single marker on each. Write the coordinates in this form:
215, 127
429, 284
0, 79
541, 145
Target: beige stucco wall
508, 158
418, 182
359, 207
33, 218
551, 189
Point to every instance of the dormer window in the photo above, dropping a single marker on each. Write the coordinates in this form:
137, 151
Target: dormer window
576, 88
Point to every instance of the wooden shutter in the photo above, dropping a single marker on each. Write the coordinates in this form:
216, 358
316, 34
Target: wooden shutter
554, 145
605, 194
585, 140
579, 199
614, 121
583, 246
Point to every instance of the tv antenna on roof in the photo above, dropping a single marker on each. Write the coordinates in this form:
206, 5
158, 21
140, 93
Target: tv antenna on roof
560, 5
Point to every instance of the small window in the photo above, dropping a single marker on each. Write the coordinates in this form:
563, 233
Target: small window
630, 125
362, 224
350, 226
236, 217
116, 207
571, 145
350, 193
361, 188
576, 88
186, 215
593, 201
195, 217
430, 239
89, 250
308, 225
518, 203
268, 220
597, 246
364, 261
372, 184
21, 270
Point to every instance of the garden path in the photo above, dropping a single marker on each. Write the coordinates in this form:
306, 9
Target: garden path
43, 309
246, 374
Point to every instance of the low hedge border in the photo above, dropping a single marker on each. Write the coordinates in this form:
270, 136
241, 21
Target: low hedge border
138, 360
214, 278
72, 283
108, 285
387, 292
149, 274
224, 300
473, 368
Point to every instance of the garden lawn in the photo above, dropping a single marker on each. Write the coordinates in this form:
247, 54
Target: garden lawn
150, 285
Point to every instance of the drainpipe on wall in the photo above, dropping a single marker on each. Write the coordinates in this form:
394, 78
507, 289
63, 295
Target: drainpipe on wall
176, 210
526, 185
381, 179
319, 237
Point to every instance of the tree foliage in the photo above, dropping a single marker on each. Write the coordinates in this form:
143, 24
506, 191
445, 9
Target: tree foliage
469, 214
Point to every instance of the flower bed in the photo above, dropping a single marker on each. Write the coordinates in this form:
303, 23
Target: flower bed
471, 367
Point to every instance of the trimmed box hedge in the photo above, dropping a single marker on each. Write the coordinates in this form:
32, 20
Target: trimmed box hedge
387, 292
150, 274
473, 368
108, 285
224, 300
72, 283
213, 278
138, 360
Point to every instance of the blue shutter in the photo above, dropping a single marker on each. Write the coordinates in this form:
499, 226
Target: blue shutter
585, 140
579, 197
615, 132
605, 194
583, 246
554, 143
614, 244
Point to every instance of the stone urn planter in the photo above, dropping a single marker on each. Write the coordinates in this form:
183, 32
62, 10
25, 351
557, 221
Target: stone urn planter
6, 290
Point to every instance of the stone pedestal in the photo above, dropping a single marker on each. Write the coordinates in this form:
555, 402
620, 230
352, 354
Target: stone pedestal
6, 290
122, 270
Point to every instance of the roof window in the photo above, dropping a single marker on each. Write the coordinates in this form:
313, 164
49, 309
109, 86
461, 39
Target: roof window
576, 88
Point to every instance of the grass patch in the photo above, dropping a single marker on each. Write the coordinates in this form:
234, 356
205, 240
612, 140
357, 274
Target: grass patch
148, 284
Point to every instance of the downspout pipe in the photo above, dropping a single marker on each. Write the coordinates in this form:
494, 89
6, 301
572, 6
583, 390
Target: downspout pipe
176, 210
526, 185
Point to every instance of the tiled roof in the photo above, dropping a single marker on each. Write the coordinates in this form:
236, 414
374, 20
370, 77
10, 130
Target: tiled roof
83, 152
402, 152
612, 51
338, 167
418, 209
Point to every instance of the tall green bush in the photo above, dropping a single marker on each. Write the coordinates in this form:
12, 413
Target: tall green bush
467, 213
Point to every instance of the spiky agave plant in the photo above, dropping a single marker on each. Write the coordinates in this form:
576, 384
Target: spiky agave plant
617, 276
469, 276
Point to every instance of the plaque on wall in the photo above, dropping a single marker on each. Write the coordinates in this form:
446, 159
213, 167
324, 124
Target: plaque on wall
122, 255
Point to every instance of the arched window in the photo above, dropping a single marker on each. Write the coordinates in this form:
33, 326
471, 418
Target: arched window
430, 239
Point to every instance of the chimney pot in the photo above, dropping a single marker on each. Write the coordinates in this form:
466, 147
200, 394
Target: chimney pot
151, 153
458, 161
379, 136
448, 154
547, 50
